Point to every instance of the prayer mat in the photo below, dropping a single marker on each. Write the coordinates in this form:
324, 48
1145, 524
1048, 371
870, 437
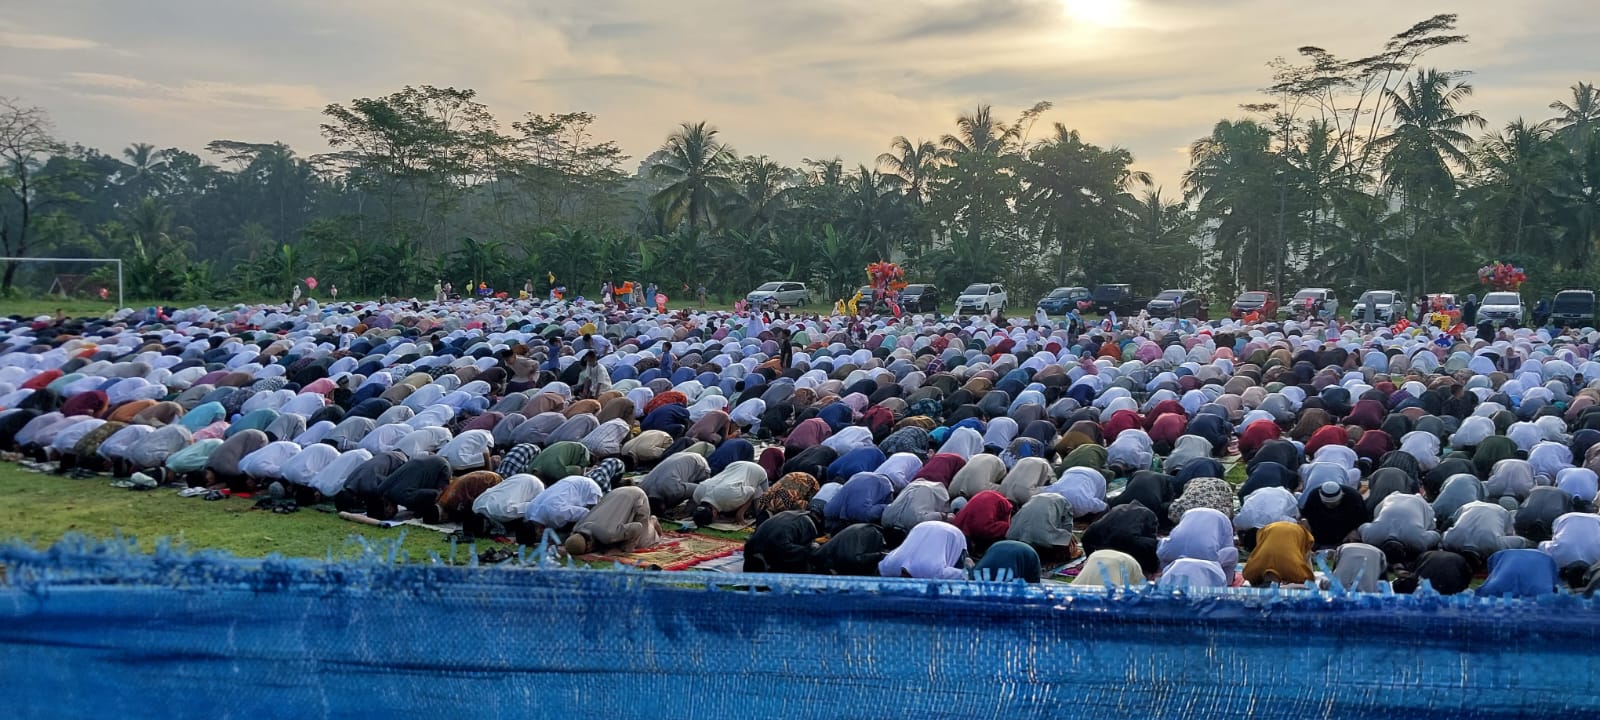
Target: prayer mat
676, 551
731, 564
1066, 571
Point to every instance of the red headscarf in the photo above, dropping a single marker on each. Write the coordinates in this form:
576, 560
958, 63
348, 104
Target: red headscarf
1120, 420
1257, 434
1326, 435
941, 468
986, 518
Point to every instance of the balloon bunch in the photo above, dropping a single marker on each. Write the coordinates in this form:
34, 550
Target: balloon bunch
1502, 276
886, 276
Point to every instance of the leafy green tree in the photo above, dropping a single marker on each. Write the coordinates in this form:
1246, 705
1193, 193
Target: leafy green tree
26, 143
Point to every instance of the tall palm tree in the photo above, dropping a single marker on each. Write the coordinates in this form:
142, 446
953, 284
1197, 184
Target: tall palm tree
1579, 191
1429, 135
696, 165
915, 163
144, 164
1580, 118
1520, 166
1429, 140
759, 195
979, 180
1162, 250
876, 211
1074, 192
1233, 178
980, 133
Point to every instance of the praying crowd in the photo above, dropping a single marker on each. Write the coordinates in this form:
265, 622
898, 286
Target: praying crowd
1174, 452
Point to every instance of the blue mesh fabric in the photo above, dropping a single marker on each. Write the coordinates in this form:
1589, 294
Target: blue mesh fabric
91, 632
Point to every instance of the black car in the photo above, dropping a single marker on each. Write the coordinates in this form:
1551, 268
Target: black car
1181, 303
1116, 297
919, 298
1573, 308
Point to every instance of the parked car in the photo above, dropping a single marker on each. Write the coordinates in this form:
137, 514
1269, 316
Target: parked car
981, 298
1572, 308
1116, 297
1174, 303
1062, 299
1502, 308
1313, 298
920, 298
786, 294
1257, 301
1386, 306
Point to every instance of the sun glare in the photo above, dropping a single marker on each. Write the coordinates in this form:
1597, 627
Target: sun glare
1096, 13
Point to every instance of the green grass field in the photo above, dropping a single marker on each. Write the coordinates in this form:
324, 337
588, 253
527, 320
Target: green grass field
40, 508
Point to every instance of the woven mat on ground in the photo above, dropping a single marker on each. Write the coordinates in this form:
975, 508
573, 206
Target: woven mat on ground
677, 551
730, 564
1066, 571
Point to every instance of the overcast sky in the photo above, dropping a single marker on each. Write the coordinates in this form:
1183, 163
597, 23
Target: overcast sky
792, 80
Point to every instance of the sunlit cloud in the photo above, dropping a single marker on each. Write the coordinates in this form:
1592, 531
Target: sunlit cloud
789, 80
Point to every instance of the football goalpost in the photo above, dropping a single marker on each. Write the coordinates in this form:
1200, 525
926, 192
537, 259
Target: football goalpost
57, 282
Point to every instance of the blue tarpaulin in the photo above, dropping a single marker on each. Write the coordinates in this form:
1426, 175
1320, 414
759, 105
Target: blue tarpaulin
91, 630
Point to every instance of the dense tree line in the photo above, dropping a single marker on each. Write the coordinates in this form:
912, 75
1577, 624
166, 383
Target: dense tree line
1371, 172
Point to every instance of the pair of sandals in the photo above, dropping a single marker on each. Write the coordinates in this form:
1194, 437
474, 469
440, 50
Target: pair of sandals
280, 507
203, 493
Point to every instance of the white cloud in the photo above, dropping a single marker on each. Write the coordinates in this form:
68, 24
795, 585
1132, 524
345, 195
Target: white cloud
41, 41
789, 80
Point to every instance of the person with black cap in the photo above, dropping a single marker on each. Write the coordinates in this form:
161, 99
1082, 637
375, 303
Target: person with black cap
1334, 512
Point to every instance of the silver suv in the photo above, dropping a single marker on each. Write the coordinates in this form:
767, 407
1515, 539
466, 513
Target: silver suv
786, 294
1386, 306
1500, 308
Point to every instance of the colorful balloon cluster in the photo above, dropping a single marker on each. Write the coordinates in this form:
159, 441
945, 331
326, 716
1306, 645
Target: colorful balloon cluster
1502, 276
886, 276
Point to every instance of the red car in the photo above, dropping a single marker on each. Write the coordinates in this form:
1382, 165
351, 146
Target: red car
1259, 301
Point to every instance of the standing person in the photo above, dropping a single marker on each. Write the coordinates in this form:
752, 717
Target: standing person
650, 293
527, 288
1469, 310
448, 291
668, 362
785, 349
701, 292
295, 297
438, 291
605, 292
638, 293
333, 290
1541, 312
